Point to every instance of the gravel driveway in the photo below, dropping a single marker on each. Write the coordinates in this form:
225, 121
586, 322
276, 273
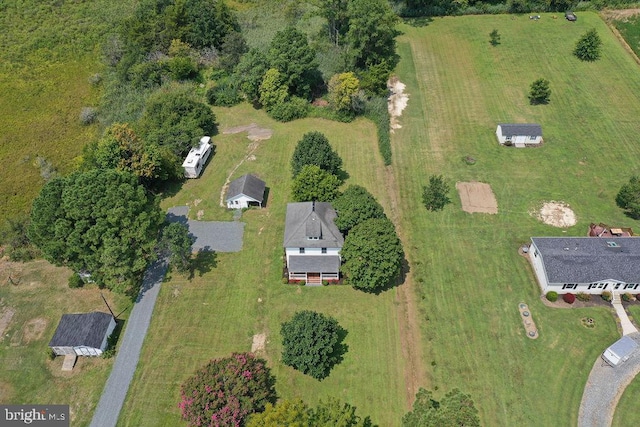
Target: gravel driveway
219, 236
115, 391
605, 387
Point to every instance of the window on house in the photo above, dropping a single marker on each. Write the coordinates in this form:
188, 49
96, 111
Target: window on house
235, 201
324, 250
301, 250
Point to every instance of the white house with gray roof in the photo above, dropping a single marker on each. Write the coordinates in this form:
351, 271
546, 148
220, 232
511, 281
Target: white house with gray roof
245, 191
586, 264
312, 242
519, 134
82, 334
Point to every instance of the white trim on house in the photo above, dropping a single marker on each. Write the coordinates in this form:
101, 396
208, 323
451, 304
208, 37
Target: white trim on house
519, 134
587, 265
197, 158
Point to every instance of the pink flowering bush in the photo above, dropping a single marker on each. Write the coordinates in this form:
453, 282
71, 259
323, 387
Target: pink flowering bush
225, 391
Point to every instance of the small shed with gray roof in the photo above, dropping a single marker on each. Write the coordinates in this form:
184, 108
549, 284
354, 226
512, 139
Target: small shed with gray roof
83, 334
312, 242
586, 264
519, 134
245, 191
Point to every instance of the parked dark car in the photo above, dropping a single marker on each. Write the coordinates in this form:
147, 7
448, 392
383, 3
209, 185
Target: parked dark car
570, 16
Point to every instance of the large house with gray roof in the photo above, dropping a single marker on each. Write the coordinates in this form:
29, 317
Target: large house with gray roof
586, 264
83, 334
312, 242
519, 134
245, 191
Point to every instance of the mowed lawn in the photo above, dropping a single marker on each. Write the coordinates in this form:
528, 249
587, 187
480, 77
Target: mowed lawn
38, 299
466, 268
242, 294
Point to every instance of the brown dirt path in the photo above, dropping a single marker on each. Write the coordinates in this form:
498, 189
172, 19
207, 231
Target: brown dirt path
409, 327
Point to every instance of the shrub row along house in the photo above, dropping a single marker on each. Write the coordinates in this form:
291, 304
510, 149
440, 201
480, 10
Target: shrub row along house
312, 242
586, 264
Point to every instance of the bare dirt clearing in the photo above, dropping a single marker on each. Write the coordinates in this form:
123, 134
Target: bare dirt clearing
6, 314
619, 15
259, 343
254, 132
477, 197
397, 101
557, 214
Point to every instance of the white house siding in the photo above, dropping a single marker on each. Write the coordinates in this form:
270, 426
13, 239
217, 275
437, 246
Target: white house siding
311, 251
240, 202
501, 139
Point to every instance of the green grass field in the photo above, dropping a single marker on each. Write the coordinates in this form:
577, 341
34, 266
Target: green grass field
218, 313
47, 54
38, 300
471, 277
630, 30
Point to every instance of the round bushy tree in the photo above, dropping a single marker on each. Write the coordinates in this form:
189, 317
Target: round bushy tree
539, 92
628, 197
372, 255
588, 47
314, 149
436, 195
354, 206
315, 184
311, 342
293, 413
455, 409
100, 221
225, 391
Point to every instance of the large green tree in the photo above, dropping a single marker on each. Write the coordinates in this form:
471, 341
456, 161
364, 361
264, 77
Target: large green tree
372, 32
336, 14
177, 240
121, 148
292, 56
314, 184
250, 72
539, 93
311, 343
174, 119
226, 391
354, 206
588, 46
290, 413
454, 410
628, 197
372, 255
435, 196
314, 149
335, 413
100, 221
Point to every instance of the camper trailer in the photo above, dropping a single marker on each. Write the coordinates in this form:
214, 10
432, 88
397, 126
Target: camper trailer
197, 158
620, 351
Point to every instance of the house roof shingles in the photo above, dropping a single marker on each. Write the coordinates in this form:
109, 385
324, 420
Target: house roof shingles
316, 263
314, 220
588, 260
520, 129
87, 329
249, 185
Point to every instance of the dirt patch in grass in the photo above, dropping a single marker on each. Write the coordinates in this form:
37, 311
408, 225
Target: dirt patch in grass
6, 391
557, 214
397, 101
6, 314
477, 197
33, 329
259, 343
254, 132
619, 15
